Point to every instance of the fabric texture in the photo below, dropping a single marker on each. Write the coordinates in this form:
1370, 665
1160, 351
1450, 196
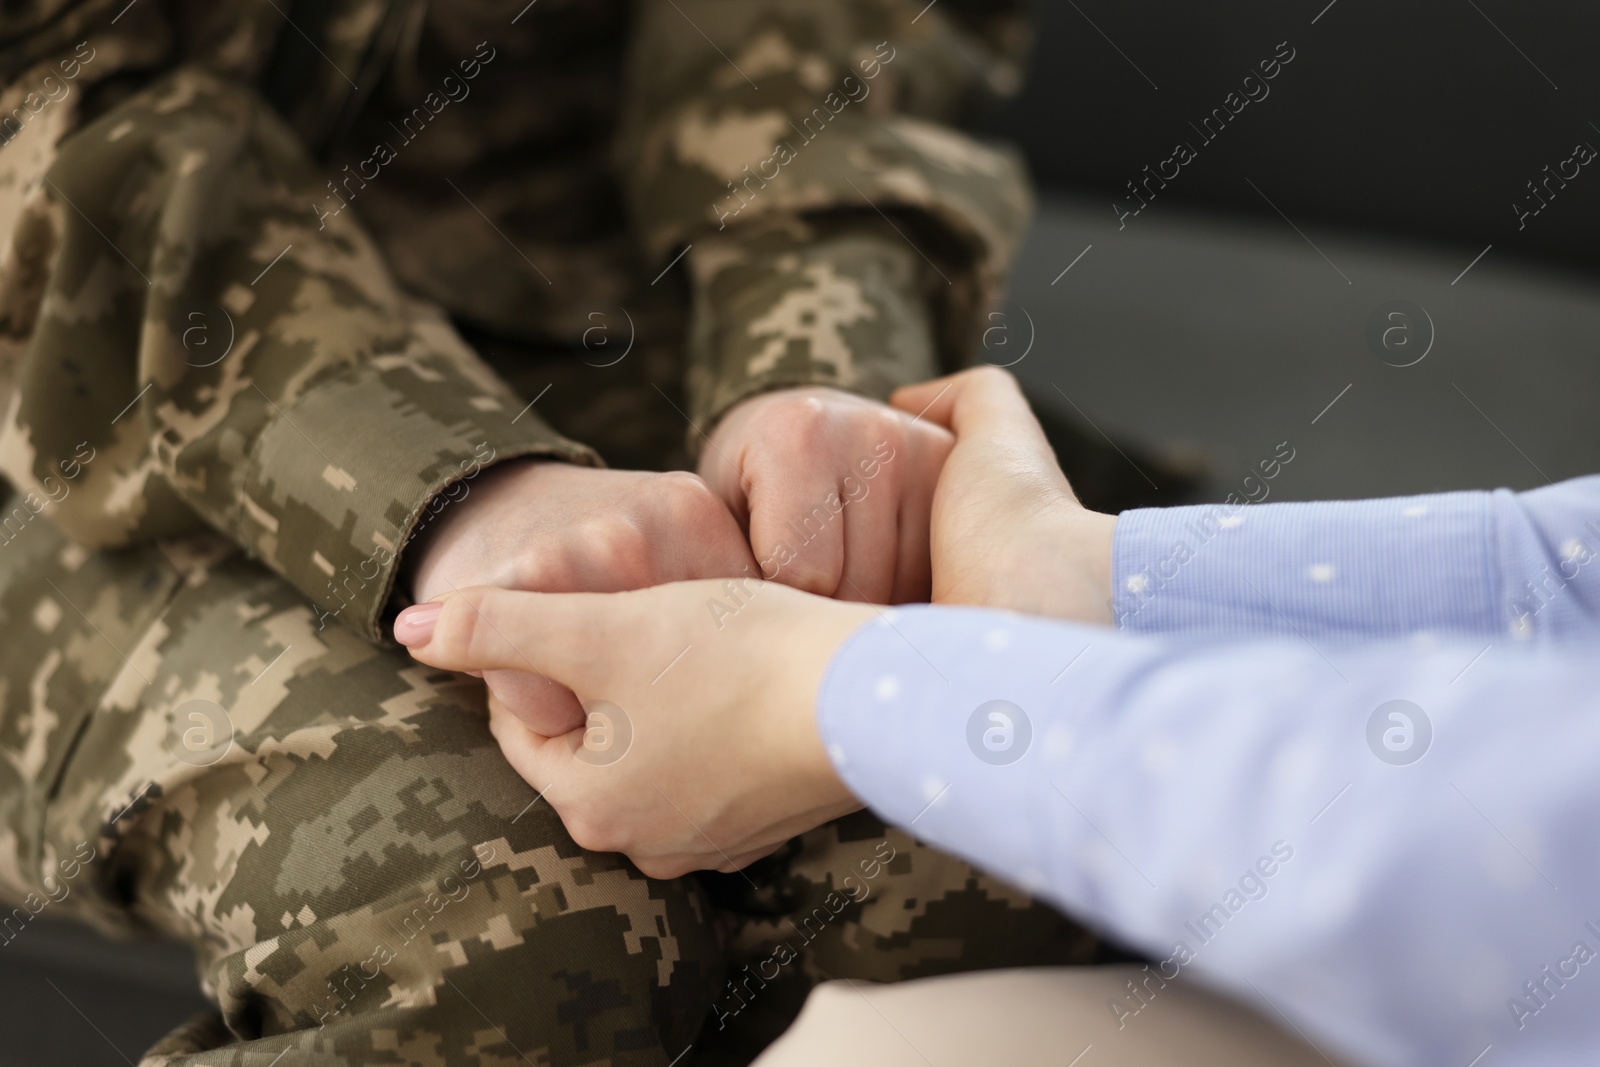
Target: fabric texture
234, 254
1501, 564
191, 751
1360, 799
276, 282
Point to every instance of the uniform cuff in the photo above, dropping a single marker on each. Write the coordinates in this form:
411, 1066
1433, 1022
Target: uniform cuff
343, 477
839, 305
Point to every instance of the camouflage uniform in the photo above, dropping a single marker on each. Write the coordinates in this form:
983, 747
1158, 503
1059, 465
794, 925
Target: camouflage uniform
229, 402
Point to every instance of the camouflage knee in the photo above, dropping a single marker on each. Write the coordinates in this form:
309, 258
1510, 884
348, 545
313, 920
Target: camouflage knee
364, 878
65, 613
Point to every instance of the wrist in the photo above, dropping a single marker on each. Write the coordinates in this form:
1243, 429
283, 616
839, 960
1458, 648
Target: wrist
446, 524
819, 645
1090, 537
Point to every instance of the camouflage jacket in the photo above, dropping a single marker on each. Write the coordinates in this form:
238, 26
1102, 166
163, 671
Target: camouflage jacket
237, 238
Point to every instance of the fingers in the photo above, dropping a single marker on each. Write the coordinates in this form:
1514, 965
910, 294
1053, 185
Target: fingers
574, 639
929, 447
539, 759
929, 401
549, 764
705, 538
871, 522
985, 403
543, 706
795, 526
678, 864
913, 573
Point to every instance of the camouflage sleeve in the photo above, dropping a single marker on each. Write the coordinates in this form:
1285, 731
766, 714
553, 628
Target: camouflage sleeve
839, 230
183, 340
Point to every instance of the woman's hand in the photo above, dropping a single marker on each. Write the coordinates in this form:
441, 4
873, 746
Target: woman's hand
701, 748
552, 527
1007, 530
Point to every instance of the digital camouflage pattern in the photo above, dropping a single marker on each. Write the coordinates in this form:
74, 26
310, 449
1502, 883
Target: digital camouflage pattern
193, 189
271, 290
363, 876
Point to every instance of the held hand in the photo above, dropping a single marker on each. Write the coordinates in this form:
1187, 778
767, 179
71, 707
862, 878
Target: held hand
1007, 530
555, 527
712, 757
834, 489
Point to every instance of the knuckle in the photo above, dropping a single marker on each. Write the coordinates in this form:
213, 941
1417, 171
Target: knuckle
687, 483
659, 868
799, 420
689, 493
892, 430
614, 545
531, 572
592, 834
690, 503
809, 578
886, 465
459, 630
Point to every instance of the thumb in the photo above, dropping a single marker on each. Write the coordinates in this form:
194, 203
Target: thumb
984, 404
541, 761
562, 636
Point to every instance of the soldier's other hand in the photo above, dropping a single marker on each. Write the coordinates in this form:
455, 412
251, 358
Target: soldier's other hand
554, 527
711, 757
834, 490
1008, 531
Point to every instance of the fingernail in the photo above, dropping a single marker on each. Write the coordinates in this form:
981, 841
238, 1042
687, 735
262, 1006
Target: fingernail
414, 626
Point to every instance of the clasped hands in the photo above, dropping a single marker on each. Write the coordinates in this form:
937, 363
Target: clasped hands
707, 608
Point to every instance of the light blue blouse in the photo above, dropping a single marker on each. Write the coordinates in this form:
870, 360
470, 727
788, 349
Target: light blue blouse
1340, 759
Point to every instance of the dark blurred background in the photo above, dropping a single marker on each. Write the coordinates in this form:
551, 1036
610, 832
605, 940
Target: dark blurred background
1356, 218
1423, 119
1233, 313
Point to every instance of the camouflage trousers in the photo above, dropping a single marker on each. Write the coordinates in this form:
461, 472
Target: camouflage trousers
362, 876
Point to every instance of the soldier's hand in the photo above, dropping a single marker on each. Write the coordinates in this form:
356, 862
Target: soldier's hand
835, 491
713, 757
554, 527
1008, 532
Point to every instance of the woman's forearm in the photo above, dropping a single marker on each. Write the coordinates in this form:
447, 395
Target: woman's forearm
1370, 836
1492, 565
